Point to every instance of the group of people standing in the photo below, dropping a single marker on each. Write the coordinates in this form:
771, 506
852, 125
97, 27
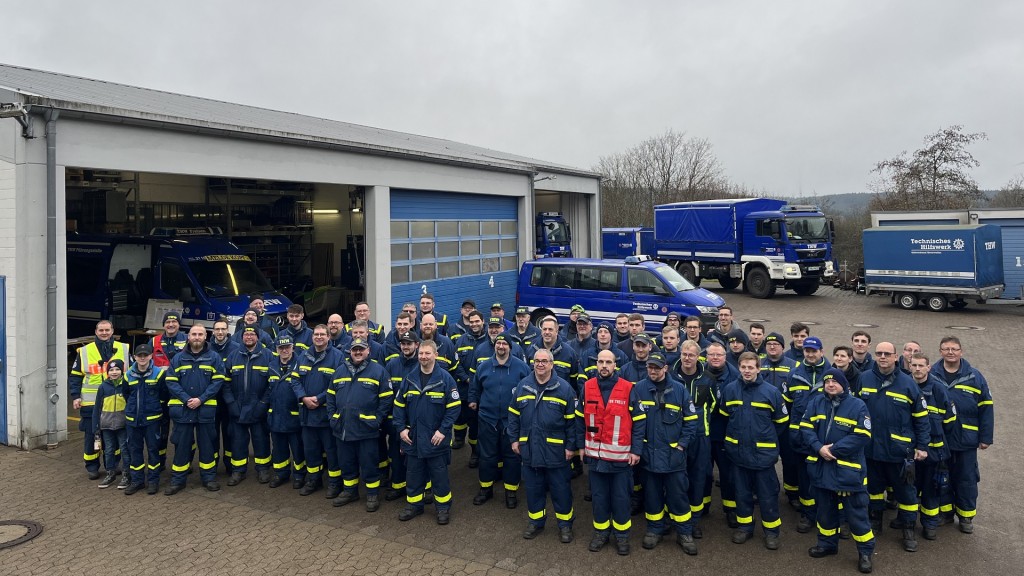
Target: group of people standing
649, 419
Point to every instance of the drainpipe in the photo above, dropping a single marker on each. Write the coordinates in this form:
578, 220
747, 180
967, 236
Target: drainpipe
51, 277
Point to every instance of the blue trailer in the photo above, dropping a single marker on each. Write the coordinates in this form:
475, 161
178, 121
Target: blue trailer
761, 243
939, 266
617, 243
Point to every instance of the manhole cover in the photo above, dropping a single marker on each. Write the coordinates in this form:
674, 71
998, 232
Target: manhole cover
14, 532
761, 320
864, 325
975, 328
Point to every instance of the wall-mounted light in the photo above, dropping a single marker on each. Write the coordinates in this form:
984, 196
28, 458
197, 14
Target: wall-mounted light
355, 200
326, 211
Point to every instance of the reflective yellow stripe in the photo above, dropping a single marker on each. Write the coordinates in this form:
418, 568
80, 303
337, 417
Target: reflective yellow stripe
731, 439
555, 441
765, 445
762, 405
848, 464
967, 388
898, 437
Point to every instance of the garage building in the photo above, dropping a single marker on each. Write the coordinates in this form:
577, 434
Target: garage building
380, 215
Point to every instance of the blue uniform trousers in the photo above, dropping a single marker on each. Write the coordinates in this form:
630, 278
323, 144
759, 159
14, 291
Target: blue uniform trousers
90, 455
164, 437
538, 482
792, 464
497, 460
241, 435
610, 494
854, 509
882, 475
434, 468
187, 436
698, 466
808, 506
317, 442
383, 457
359, 458
927, 492
398, 471
765, 483
727, 485
225, 429
287, 455
964, 476
115, 449
144, 438
666, 493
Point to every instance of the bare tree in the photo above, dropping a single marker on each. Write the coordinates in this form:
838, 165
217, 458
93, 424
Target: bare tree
936, 175
1011, 195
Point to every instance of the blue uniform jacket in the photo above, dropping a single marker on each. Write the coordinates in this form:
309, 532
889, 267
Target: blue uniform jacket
359, 400
302, 337
899, 416
465, 351
543, 420
224, 349
939, 411
756, 417
805, 384
283, 414
842, 422
672, 423
492, 386
566, 363
524, 339
248, 385
194, 375
781, 374
588, 365
265, 338
701, 390
145, 395
718, 423
424, 410
972, 400
312, 377
485, 350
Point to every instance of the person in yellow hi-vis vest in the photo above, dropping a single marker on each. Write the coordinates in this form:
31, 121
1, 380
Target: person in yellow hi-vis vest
87, 373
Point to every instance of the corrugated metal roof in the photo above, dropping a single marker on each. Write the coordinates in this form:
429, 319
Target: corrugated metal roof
90, 96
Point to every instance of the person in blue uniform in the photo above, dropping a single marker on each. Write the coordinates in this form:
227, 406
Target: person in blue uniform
246, 390
940, 410
313, 375
287, 456
144, 401
398, 369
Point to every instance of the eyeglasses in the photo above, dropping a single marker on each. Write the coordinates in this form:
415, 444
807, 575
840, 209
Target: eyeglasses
542, 361
947, 350
884, 354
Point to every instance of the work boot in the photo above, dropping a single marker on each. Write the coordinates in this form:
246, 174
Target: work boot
730, 519
108, 480
898, 524
844, 532
820, 552
94, 474
409, 512
696, 531
794, 503
532, 530
474, 459
212, 486
687, 543
511, 500
565, 534
966, 525
803, 526
298, 482
635, 505
125, 481
622, 547
276, 481
741, 536
945, 518
263, 476
333, 491
458, 443
153, 488
929, 533
597, 542
392, 494
372, 502
443, 517
864, 564
345, 497
909, 541
173, 489
132, 489
236, 479
483, 496
650, 540
771, 541
308, 488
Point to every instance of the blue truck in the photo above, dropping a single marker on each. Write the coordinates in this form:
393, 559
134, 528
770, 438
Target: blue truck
762, 243
553, 236
940, 266
617, 243
113, 277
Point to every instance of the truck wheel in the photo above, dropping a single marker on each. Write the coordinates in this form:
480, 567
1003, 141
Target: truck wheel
539, 314
805, 289
906, 300
937, 302
759, 283
685, 270
728, 283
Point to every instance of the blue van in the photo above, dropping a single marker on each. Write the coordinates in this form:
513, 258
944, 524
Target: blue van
607, 288
113, 276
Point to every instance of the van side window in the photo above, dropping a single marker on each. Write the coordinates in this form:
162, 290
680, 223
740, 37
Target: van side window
554, 277
602, 279
172, 279
769, 228
643, 281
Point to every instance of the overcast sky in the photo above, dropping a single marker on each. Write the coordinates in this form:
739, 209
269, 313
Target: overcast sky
796, 97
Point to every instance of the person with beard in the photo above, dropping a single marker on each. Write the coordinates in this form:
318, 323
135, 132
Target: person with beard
403, 323
86, 374
426, 407
842, 357
301, 335
836, 428
361, 329
399, 368
603, 340
287, 455
542, 431
264, 322
336, 333
671, 427
251, 318
782, 372
314, 372
490, 395
524, 333
144, 401
168, 343
612, 423
691, 373
485, 349
940, 410
807, 383
474, 335
757, 417
720, 373
798, 332
359, 400
246, 391
194, 378
427, 307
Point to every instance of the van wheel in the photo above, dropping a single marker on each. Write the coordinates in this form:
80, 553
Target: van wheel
906, 300
685, 270
728, 282
759, 283
539, 314
936, 302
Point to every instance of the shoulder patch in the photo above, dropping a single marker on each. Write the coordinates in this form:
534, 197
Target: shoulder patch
785, 410
867, 423
455, 393
952, 406
693, 408
924, 403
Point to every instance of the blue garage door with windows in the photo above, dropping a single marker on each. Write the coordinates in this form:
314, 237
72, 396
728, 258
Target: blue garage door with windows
454, 246
1013, 254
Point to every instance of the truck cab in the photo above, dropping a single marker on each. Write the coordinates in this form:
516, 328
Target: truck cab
114, 276
797, 242
553, 236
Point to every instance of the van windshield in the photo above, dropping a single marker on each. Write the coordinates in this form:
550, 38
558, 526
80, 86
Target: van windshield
672, 277
225, 278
